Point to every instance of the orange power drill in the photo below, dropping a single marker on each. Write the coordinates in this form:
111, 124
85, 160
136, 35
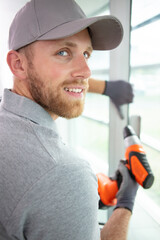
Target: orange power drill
136, 163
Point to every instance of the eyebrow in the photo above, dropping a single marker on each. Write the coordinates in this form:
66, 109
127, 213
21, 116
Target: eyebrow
74, 45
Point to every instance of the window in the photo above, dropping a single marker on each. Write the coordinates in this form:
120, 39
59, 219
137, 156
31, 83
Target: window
145, 72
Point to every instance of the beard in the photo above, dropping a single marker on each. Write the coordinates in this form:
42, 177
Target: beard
54, 99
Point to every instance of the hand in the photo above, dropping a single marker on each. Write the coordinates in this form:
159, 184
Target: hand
120, 92
128, 188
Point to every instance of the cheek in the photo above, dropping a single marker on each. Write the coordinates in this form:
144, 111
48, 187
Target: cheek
54, 72
57, 72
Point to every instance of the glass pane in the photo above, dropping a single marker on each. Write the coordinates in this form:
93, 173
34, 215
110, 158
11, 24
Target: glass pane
145, 44
99, 60
97, 107
153, 157
92, 141
143, 10
145, 72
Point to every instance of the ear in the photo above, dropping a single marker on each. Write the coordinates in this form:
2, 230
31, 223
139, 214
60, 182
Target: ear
17, 64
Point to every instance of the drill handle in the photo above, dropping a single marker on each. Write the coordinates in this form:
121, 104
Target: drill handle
140, 168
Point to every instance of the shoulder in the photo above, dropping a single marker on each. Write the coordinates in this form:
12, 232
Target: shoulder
60, 205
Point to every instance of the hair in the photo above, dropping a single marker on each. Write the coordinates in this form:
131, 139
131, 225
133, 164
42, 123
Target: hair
27, 51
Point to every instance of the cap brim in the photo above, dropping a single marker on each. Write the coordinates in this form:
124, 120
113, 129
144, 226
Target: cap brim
106, 31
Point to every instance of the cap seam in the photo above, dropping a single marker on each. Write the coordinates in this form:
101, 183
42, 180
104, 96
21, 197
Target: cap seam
57, 27
36, 17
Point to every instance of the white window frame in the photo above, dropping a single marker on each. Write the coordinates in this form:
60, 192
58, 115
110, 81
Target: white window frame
119, 69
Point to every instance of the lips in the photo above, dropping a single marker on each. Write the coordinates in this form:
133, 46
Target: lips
75, 91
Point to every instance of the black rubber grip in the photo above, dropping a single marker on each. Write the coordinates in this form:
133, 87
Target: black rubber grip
147, 183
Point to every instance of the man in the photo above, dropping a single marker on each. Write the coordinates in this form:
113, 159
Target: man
47, 191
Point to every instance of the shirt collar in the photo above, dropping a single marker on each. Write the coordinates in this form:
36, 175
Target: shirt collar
26, 108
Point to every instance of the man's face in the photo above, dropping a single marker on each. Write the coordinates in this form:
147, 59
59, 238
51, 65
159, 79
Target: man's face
58, 74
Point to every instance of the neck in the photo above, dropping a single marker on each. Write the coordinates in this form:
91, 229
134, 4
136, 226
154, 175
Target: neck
53, 115
20, 88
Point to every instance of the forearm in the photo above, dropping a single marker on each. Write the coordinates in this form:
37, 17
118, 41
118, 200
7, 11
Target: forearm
117, 225
96, 86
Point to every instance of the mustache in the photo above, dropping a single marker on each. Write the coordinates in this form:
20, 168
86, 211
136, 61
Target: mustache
79, 82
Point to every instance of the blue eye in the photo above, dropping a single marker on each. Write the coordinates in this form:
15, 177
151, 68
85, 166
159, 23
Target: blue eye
86, 55
63, 53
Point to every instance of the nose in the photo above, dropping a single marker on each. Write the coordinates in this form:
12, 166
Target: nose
81, 69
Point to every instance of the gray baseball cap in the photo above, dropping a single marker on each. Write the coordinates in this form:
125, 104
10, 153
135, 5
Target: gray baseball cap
57, 19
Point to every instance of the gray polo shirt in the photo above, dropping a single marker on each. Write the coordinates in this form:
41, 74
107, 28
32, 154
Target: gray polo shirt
47, 192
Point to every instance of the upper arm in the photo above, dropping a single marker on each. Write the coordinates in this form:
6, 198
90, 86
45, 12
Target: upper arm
59, 206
